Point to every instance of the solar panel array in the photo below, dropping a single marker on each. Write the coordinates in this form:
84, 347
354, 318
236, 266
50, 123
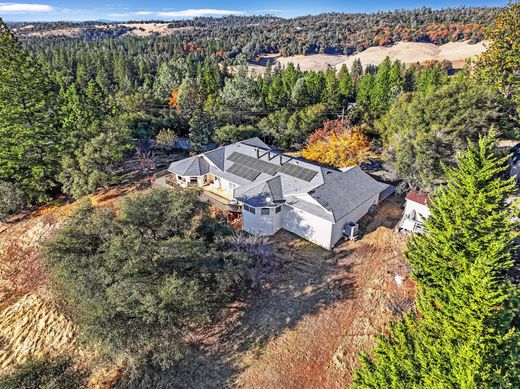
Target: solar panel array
244, 172
246, 167
298, 171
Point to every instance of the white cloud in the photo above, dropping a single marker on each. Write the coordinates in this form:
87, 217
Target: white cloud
187, 13
22, 7
190, 13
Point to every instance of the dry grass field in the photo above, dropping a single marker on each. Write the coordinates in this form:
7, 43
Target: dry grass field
406, 52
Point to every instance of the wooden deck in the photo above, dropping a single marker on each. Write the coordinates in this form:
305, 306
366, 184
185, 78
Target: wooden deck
213, 197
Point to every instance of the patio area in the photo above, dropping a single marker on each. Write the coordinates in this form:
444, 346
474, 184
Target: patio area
218, 197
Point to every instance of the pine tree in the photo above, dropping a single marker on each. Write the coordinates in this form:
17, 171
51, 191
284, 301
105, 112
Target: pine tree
331, 93
346, 87
364, 93
380, 94
276, 97
500, 63
465, 335
29, 135
356, 70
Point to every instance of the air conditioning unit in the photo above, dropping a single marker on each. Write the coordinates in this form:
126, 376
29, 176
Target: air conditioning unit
350, 230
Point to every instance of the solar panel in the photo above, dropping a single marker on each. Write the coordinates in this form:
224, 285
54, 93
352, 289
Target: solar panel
243, 171
249, 168
298, 171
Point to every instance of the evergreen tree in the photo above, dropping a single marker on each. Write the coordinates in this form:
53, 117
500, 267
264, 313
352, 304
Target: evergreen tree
315, 83
430, 78
364, 94
331, 93
356, 70
169, 76
380, 93
92, 163
500, 63
289, 77
276, 97
239, 97
465, 334
299, 96
29, 134
346, 87
424, 131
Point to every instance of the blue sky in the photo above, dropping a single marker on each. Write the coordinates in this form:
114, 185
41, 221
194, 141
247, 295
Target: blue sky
52, 10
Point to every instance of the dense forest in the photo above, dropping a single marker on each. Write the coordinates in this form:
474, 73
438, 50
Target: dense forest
94, 99
334, 33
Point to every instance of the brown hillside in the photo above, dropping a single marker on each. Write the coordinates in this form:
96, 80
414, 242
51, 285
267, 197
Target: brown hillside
303, 328
31, 322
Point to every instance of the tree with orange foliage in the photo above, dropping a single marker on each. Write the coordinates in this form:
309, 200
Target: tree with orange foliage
338, 145
174, 98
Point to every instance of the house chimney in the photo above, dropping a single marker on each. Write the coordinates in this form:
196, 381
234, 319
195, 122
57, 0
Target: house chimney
257, 153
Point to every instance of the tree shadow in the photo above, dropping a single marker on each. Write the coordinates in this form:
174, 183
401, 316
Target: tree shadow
309, 280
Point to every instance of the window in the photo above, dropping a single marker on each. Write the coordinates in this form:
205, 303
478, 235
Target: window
249, 209
277, 209
265, 211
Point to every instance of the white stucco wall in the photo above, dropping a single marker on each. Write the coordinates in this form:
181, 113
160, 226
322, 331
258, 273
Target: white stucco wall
307, 226
259, 224
277, 219
354, 216
422, 211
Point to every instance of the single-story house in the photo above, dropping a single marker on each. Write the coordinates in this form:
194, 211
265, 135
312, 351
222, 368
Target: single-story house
279, 191
415, 211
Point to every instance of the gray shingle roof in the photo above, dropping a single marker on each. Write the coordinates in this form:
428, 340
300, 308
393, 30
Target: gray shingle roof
334, 193
309, 207
261, 194
217, 157
193, 166
256, 142
343, 192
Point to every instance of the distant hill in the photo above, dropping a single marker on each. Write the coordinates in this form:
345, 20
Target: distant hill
331, 33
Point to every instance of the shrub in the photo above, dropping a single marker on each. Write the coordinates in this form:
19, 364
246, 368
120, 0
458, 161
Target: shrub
137, 279
12, 199
256, 247
166, 139
46, 373
232, 134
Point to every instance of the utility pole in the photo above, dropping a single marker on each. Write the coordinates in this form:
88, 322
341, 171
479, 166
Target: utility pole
343, 115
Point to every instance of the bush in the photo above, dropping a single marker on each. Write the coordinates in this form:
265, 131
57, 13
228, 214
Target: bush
137, 279
46, 373
12, 199
256, 247
232, 134
166, 139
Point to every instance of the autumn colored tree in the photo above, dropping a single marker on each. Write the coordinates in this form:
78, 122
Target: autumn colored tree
336, 144
174, 98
